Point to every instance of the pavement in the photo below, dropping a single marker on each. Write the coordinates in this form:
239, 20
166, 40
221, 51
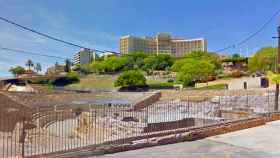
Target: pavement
259, 142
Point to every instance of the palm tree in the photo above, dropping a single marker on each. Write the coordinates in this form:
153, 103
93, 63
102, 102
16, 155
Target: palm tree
38, 67
29, 64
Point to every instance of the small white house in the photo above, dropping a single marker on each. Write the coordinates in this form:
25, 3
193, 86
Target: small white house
246, 83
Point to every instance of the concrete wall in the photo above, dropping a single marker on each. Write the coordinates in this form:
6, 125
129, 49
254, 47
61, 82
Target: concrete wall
239, 83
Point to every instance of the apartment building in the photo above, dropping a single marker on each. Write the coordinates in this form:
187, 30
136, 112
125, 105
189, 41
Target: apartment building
163, 43
85, 56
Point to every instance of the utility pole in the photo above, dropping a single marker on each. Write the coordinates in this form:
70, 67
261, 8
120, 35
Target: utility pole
277, 69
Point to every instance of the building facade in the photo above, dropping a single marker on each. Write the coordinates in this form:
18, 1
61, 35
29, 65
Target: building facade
162, 44
85, 56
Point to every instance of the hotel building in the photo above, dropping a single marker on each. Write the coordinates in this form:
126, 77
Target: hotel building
85, 56
162, 44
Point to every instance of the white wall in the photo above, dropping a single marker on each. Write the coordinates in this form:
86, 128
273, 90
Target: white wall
239, 83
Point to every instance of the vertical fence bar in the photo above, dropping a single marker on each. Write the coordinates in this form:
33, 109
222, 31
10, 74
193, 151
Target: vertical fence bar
23, 138
2, 127
95, 124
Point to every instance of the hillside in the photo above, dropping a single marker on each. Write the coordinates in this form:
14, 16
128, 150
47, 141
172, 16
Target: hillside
93, 81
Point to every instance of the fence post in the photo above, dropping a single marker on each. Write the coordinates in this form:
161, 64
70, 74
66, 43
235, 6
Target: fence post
22, 139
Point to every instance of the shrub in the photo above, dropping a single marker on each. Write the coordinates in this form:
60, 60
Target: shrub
165, 85
71, 77
130, 78
170, 80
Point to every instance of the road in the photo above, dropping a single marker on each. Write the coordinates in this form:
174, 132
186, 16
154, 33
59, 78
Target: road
259, 142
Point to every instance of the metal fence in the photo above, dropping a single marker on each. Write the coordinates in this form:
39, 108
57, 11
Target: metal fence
53, 129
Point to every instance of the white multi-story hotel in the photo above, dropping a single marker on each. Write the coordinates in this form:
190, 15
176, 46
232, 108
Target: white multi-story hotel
162, 44
85, 56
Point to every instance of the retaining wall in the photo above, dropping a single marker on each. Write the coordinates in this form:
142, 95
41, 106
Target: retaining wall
154, 97
170, 137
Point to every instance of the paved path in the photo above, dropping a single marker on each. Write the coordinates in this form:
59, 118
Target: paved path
260, 142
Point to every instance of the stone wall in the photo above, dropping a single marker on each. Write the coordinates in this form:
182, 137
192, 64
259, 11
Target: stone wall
154, 97
162, 126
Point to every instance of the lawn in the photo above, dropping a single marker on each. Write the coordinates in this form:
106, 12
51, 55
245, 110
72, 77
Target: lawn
213, 87
96, 82
106, 82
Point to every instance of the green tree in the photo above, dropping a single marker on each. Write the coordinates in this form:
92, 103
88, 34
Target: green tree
158, 62
213, 58
177, 66
130, 78
195, 70
114, 64
98, 67
85, 69
275, 78
38, 67
18, 70
263, 60
29, 63
235, 58
135, 60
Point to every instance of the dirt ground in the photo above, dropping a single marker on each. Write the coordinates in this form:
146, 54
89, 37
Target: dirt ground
203, 95
39, 100
11, 112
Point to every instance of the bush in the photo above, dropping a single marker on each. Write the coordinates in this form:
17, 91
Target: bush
165, 85
71, 77
38, 80
131, 78
170, 80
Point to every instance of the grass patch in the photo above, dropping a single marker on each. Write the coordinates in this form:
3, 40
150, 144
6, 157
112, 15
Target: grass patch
213, 87
164, 85
226, 78
95, 82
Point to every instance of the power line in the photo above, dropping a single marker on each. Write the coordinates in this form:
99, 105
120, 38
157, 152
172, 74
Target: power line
31, 53
251, 35
51, 37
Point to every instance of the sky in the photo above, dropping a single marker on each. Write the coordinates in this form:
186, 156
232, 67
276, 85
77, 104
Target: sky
100, 23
